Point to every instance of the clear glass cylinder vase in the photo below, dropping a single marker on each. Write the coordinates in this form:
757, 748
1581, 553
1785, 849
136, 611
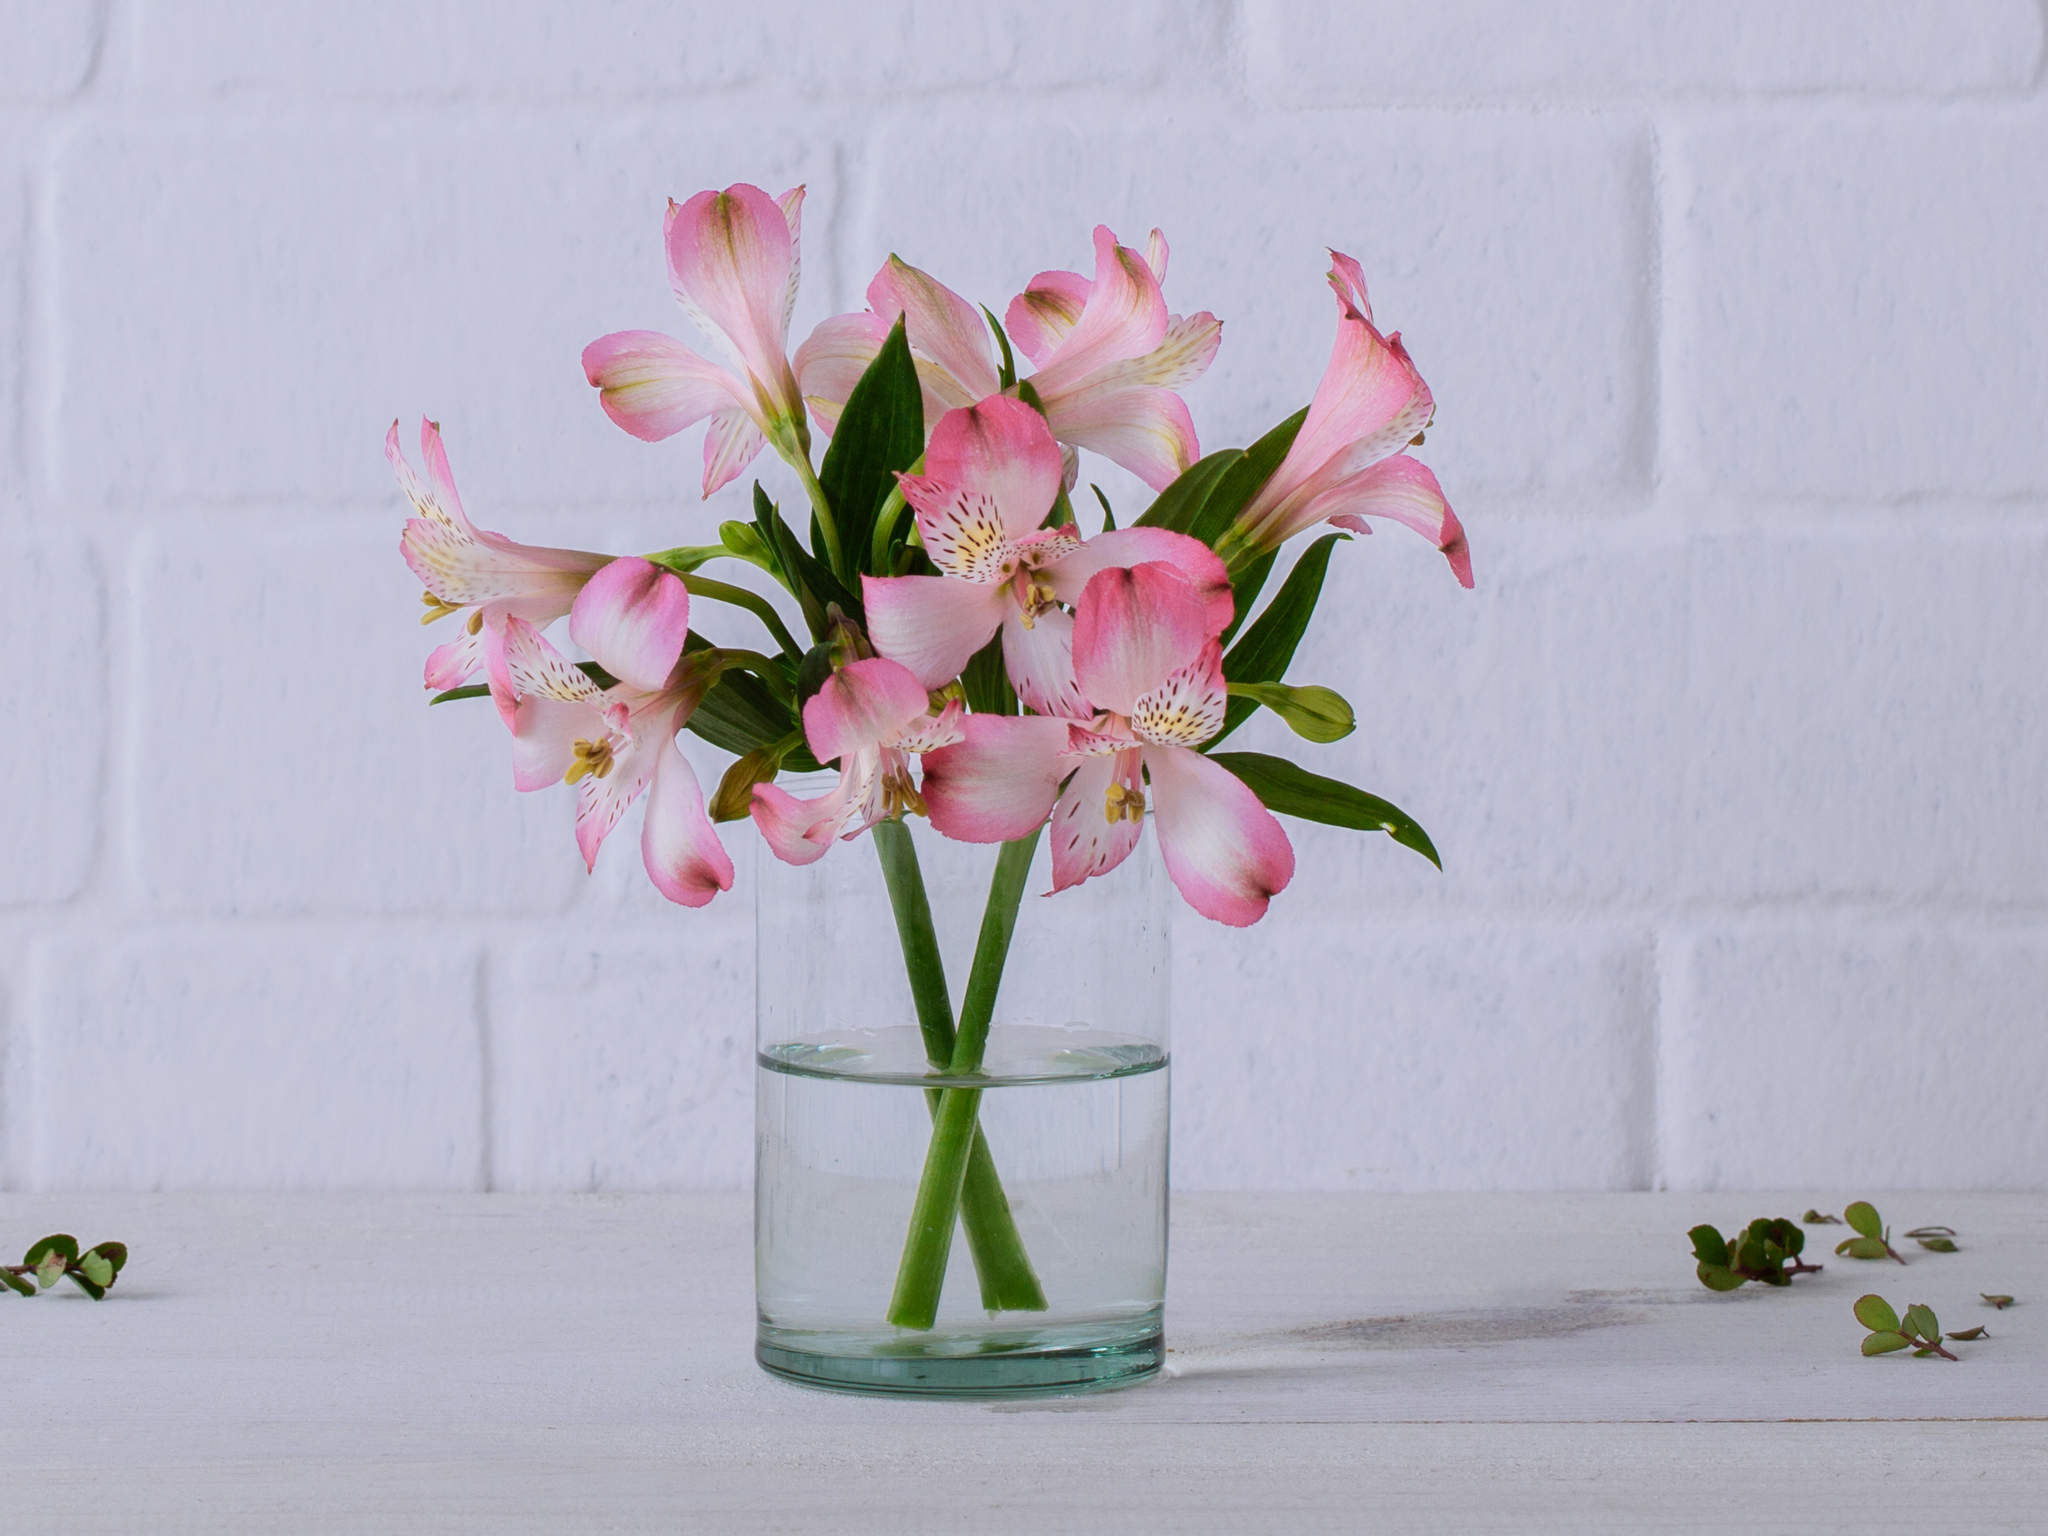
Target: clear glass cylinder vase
920, 1228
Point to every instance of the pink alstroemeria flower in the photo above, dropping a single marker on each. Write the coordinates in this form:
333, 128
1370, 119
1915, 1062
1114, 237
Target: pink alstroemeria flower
733, 261
1344, 465
1148, 660
871, 715
991, 474
1109, 355
614, 744
481, 576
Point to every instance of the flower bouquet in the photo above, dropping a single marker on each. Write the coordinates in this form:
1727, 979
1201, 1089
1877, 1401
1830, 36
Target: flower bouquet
957, 645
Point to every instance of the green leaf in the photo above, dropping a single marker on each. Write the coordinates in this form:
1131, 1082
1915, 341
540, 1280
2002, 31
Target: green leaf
1315, 713
1789, 1236
1243, 480
1180, 504
1717, 1277
466, 691
1708, 1246
1006, 373
1885, 1343
1749, 1254
880, 431
1972, 1334
741, 714
1937, 1244
2000, 1302
1262, 654
1289, 790
1919, 1319
21, 1285
1815, 1218
686, 558
813, 584
88, 1285
115, 1254
986, 681
1108, 512
1862, 1217
1876, 1314
1862, 1247
59, 1243
95, 1267
50, 1270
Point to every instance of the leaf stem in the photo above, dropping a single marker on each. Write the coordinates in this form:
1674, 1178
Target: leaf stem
1008, 1282
922, 1272
886, 518
711, 588
821, 507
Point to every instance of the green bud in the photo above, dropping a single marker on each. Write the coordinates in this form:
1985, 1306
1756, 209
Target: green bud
1314, 713
734, 796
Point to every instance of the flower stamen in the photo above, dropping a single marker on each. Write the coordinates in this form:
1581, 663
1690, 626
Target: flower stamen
593, 760
437, 609
1123, 802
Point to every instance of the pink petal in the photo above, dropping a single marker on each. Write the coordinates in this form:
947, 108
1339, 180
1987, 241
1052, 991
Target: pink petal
1133, 629
1155, 256
1085, 842
792, 205
1188, 708
932, 624
1000, 781
632, 617
544, 736
1136, 546
653, 385
1040, 661
601, 802
1347, 281
1184, 356
1402, 490
928, 733
536, 668
801, 831
1045, 313
939, 324
992, 472
453, 664
729, 447
1223, 848
497, 665
1145, 429
684, 858
862, 705
832, 359
439, 475
1125, 316
730, 257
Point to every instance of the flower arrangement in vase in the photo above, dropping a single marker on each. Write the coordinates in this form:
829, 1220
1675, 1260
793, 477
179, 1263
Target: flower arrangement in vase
973, 656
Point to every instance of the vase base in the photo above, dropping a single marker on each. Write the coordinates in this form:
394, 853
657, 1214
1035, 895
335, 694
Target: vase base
1014, 1365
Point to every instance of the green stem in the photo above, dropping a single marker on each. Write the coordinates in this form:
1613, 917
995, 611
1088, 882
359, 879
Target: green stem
886, 519
1008, 1282
821, 505
955, 1128
725, 592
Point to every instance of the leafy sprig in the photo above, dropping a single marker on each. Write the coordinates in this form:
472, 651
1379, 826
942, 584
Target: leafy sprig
1761, 1251
1873, 1238
1935, 1239
57, 1257
1918, 1330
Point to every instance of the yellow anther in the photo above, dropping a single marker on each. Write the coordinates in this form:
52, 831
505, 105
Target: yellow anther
900, 797
593, 760
436, 609
476, 622
1121, 802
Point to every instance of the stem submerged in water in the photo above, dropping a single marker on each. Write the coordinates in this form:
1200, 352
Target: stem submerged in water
949, 1161
1008, 1282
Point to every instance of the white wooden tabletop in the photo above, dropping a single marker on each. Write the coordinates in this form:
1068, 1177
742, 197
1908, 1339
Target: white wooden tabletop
571, 1364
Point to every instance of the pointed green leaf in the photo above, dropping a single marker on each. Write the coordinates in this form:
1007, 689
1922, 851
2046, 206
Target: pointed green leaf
1262, 654
1937, 1244
815, 584
1108, 512
1876, 1314
1718, 1277
21, 1285
1932, 1232
1244, 480
1863, 1218
1180, 504
1708, 1246
880, 431
1919, 1319
1289, 790
1885, 1343
1861, 1247
2000, 1302
1006, 372
1971, 1334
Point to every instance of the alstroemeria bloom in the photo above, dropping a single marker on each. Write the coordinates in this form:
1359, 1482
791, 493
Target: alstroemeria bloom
733, 261
1109, 355
872, 716
991, 474
1148, 661
614, 744
1345, 465
482, 577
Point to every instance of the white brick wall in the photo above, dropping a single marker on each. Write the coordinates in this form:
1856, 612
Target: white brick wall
1736, 756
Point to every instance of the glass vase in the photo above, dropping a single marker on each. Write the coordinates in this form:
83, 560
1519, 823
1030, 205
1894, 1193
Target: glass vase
927, 1222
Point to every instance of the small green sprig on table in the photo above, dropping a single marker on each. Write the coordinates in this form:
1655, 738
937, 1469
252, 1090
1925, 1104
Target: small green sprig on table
1918, 1330
57, 1257
1873, 1239
1761, 1251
